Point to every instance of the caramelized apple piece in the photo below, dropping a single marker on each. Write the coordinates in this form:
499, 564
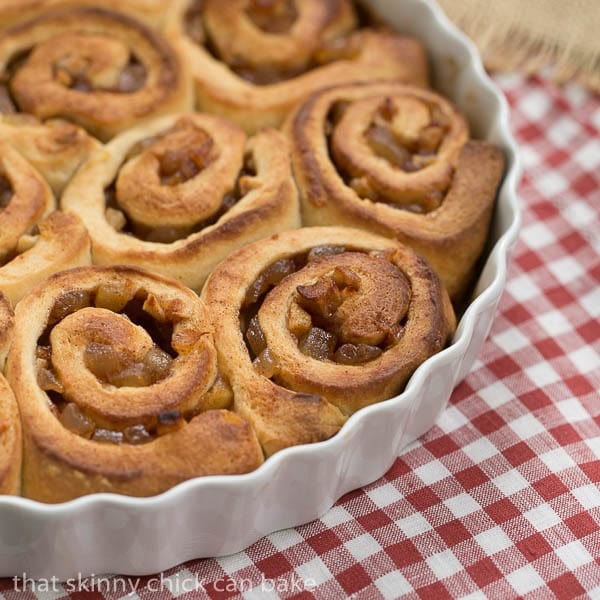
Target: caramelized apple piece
383, 142
177, 165
107, 435
121, 370
351, 354
318, 344
271, 276
74, 420
136, 434
158, 363
46, 378
132, 78
68, 303
323, 251
264, 363
272, 16
255, 336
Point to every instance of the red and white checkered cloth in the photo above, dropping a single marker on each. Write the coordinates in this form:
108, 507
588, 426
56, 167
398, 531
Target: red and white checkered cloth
501, 499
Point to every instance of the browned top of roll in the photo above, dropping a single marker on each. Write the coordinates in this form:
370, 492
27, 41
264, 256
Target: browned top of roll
98, 67
388, 143
100, 331
10, 441
313, 324
269, 41
182, 175
6, 327
113, 369
181, 192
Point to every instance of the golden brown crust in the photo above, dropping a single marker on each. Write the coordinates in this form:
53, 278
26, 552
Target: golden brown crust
55, 148
62, 243
150, 11
7, 318
34, 242
10, 424
97, 308
300, 398
261, 75
437, 196
26, 198
10, 441
237, 190
121, 73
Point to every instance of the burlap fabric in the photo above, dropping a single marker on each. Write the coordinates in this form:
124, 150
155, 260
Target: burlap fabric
559, 37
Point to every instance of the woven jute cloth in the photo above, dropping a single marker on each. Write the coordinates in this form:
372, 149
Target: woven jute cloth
534, 35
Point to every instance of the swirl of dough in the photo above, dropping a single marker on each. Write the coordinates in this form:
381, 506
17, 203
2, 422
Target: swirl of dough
99, 68
314, 324
115, 373
178, 195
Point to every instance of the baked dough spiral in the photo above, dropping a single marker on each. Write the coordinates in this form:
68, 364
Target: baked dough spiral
34, 241
255, 60
10, 424
179, 194
314, 324
397, 161
99, 68
115, 372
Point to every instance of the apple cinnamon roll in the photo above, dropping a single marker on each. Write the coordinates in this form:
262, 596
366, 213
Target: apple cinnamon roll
314, 324
99, 68
397, 161
181, 193
10, 425
252, 60
35, 240
115, 373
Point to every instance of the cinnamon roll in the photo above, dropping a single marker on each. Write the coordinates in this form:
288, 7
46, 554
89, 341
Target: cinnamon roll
179, 194
10, 425
397, 161
314, 324
34, 241
55, 148
253, 60
99, 68
115, 373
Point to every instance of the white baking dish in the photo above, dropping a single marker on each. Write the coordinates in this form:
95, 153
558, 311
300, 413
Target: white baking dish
213, 516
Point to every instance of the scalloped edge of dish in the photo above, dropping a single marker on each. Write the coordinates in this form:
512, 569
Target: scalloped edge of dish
218, 515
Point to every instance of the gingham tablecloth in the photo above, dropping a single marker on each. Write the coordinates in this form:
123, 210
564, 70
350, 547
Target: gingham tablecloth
501, 499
